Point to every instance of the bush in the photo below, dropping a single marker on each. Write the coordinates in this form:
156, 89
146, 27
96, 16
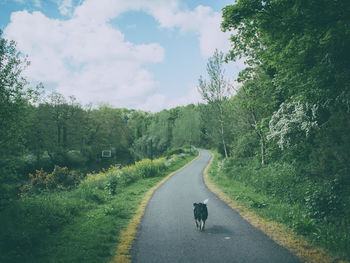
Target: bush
129, 175
147, 168
92, 193
278, 180
111, 185
30, 220
125, 176
325, 201
174, 151
59, 178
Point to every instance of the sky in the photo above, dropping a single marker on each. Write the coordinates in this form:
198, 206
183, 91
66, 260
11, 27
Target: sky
137, 54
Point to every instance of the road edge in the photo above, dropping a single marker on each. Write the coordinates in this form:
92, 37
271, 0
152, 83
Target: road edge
279, 233
127, 235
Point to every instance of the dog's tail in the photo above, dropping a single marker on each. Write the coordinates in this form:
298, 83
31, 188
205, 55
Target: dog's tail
206, 201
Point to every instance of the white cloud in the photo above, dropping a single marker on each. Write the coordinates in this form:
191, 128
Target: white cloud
202, 21
158, 101
86, 57
155, 102
65, 7
91, 61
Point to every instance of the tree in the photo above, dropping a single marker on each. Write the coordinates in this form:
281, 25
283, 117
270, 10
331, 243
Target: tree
160, 131
14, 98
108, 130
302, 47
187, 127
259, 98
302, 44
215, 92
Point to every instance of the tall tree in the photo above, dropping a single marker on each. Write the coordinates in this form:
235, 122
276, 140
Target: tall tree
14, 99
215, 92
303, 45
259, 98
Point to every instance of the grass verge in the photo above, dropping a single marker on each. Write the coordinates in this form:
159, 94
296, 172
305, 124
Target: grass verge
82, 224
265, 213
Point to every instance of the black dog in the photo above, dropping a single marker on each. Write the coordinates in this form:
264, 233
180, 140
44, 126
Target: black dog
200, 212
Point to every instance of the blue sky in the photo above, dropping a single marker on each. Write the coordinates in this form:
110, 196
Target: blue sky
137, 54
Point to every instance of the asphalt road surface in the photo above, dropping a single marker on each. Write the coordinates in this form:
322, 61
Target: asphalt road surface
167, 232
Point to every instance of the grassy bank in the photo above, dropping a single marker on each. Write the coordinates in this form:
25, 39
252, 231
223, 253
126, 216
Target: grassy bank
81, 224
273, 194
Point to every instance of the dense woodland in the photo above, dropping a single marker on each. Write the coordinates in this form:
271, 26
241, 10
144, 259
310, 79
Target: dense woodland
289, 117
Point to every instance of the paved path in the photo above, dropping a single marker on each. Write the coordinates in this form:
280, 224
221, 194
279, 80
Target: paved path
167, 233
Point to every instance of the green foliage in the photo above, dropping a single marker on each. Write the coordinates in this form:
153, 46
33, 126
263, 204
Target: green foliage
59, 178
294, 101
29, 221
274, 179
299, 41
315, 208
15, 96
320, 200
325, 201
296, 79
80, 224
148, 168
170, 153
187, 127
245, 146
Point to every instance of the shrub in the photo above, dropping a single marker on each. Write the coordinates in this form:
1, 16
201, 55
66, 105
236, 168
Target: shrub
147, 168
325, 200
174, 151
91, 193
129, 175
278, 180
112, 182
59, 178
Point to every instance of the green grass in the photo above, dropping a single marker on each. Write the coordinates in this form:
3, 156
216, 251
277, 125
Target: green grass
81, 225
250, 186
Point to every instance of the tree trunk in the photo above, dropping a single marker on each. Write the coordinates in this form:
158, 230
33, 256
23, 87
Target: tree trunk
260, 135
222, 132
223, 140
262, 151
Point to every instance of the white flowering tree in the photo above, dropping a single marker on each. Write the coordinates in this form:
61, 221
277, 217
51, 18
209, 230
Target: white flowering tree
290, 121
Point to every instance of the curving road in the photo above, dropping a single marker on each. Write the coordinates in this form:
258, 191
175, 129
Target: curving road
167, 232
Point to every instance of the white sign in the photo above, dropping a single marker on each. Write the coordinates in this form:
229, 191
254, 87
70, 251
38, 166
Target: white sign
106, 154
